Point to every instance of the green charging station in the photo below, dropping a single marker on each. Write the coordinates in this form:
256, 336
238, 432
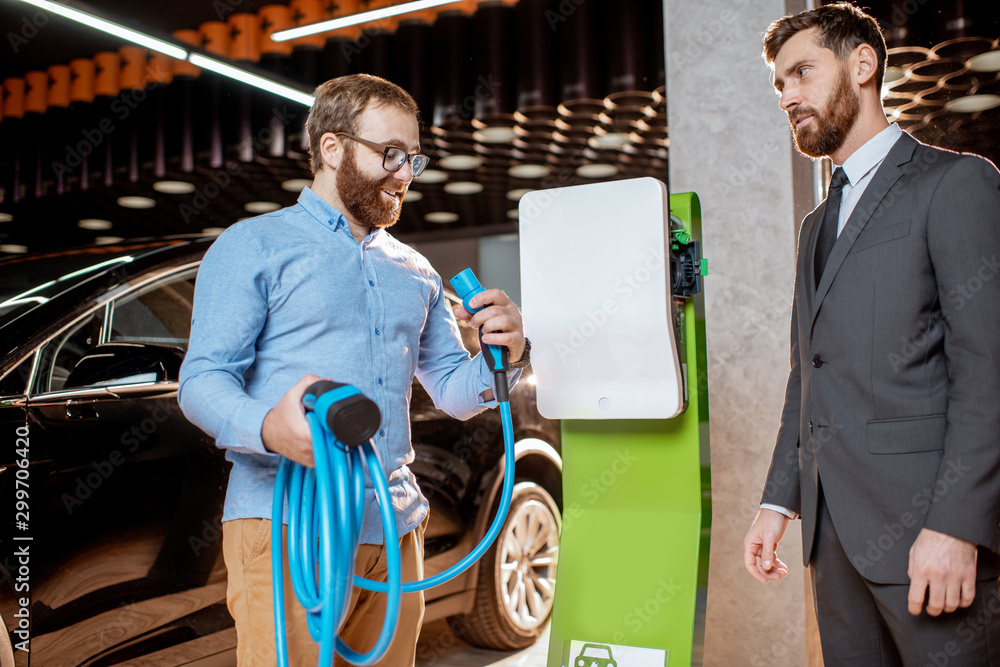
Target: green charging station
632, 576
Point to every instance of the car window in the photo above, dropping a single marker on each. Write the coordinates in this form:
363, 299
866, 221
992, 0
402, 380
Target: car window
160, 313
15, 381
60, 355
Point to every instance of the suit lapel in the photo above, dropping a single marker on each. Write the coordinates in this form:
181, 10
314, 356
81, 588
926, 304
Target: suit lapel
888, 173
807, 259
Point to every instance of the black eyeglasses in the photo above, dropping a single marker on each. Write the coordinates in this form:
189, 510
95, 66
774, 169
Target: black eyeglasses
393, 157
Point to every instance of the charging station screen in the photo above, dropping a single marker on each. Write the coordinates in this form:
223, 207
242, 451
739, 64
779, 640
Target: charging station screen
596, 299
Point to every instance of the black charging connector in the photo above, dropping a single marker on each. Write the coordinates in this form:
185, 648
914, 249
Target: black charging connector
499, 364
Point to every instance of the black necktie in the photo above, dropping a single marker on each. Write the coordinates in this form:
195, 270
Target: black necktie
828, 228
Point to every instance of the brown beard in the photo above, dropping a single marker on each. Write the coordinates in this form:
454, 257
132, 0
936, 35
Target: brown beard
830, 126
362, 196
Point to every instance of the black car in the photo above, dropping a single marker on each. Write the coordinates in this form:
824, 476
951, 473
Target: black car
111, 537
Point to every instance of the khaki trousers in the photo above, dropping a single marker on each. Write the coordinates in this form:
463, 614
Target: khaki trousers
250, 598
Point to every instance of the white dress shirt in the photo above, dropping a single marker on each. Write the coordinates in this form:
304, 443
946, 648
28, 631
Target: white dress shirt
859, 168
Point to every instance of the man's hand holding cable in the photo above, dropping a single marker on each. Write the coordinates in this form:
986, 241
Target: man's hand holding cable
285, 430
500, 320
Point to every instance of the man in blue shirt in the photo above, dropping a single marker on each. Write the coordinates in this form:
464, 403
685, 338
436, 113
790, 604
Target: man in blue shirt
321, 289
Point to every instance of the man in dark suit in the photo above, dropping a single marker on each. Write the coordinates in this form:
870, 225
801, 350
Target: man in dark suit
889, 442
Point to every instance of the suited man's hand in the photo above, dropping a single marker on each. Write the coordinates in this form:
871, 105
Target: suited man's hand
943, 568
760, 545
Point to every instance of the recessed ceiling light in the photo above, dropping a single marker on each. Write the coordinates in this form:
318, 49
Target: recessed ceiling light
95, 224
529, 171
609, 141
13, 248
973, 103
213, 231
261, 206
433, 176
597, 170
296, 184
515, 195
6, 217
105, 240
441, 217
512, 214
413, 195
174, 187
461, 162
463, 188
495, 135
986, 62
136, 202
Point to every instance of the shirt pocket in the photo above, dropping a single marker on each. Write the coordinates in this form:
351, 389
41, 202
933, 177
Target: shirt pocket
907, 435
873, 236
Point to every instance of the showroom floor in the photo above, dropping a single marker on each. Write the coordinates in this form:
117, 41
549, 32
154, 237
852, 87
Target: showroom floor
439, 647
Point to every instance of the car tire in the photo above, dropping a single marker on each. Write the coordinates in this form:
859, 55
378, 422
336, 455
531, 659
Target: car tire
6, 648
515, 588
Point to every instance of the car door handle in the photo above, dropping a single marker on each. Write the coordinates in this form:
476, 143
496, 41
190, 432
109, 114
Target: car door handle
81, 410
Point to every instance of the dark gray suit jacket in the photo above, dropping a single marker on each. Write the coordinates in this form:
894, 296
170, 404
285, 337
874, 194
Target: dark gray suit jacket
893, 398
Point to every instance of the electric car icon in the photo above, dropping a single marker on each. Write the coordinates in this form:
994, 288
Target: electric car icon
595, 655
126, 495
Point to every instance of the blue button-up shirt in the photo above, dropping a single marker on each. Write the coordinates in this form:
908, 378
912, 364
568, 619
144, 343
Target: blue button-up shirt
292, 292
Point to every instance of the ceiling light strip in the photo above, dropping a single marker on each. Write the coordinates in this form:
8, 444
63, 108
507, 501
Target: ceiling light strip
251, 79
355, 19
174, 51
111, 28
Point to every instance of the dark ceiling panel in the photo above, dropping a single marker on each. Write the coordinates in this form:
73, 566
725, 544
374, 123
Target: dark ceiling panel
629, 139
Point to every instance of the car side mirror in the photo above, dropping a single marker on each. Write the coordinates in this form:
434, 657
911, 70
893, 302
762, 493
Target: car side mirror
126, 363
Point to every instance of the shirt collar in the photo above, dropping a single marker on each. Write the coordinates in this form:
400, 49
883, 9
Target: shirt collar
323, 211
871, 154
321, 208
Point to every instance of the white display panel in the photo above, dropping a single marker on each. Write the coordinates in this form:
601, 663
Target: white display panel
596, 299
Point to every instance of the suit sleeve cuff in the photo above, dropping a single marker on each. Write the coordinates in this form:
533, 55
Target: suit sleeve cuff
778, 508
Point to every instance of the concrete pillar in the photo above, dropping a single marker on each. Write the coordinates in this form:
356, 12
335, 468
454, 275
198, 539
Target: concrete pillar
731, 144
499, 260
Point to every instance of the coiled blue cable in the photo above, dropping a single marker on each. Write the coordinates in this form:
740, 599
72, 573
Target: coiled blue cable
325, 507
325, 510
491, 535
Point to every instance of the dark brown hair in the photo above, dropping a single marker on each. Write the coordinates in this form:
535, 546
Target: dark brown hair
842, 28
340, 103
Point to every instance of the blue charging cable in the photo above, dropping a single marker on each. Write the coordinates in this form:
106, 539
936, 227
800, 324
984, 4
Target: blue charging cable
326, 505
325, 508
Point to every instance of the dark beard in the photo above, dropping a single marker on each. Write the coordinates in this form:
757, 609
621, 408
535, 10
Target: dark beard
831, 125
362, 196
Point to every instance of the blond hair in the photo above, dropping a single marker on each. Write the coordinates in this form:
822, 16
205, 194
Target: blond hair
340, 103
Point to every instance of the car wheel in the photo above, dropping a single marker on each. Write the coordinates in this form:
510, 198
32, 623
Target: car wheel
516, 583
6, 649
